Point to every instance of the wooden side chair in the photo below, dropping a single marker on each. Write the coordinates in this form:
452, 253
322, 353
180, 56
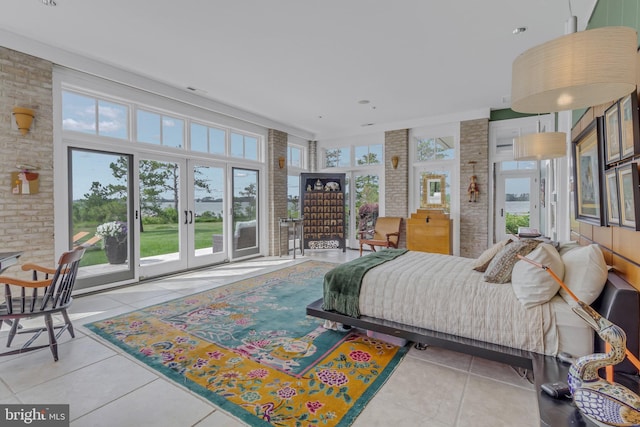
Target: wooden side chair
48, 296
386, 233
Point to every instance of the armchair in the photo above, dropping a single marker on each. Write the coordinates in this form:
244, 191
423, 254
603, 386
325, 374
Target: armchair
48, 296
386, 233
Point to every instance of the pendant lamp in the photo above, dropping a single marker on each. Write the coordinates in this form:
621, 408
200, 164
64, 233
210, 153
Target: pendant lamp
540, 146
577, 70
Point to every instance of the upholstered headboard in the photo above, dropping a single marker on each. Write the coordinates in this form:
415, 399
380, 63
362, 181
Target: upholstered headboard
620, 303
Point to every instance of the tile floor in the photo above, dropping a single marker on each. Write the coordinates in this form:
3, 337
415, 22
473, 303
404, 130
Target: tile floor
105, 387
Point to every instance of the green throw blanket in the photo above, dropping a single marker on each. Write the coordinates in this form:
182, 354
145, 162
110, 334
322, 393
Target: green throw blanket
342, 284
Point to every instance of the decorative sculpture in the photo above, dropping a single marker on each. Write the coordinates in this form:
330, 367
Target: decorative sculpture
473, 189
606, 403
603, 401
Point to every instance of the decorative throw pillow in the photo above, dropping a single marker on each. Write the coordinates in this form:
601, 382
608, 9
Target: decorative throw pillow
499, 269
533, 285
485, 258
585, 273
567, 246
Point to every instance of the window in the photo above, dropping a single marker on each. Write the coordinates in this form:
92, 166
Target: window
293, 196
244, 146
295, 157
104, 117
207, 139
337, 157
94, 116
441, 148
368, 154
158, 129
518, 165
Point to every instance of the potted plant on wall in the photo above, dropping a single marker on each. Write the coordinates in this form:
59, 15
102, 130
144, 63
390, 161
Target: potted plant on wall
114, 235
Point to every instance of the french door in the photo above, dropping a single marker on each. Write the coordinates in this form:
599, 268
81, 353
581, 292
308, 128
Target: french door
517, 197
101, 215
244, 212
362, 197
145, 216
181, 205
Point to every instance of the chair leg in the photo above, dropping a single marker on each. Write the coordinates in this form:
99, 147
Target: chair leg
67, 322
12, 331
53, 344
360, 249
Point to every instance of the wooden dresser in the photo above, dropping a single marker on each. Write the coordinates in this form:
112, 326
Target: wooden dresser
429, 230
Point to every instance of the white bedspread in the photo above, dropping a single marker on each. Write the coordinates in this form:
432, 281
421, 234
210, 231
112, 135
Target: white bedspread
443, 293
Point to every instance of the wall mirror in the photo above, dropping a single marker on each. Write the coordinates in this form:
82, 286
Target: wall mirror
433, 191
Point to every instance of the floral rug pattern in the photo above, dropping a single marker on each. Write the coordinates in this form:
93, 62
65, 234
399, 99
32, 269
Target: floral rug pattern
249, 348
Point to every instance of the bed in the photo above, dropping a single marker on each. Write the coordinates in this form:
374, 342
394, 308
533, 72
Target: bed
441, 300
392, 302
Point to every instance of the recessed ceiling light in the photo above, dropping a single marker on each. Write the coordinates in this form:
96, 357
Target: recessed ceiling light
196, 90
519, 30
364, 101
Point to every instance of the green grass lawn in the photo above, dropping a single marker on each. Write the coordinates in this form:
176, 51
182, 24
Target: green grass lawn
157, 239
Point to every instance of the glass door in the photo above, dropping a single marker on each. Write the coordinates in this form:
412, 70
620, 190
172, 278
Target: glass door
101, 215
205, 216
363, 204
516, 201
245, 212
163, 216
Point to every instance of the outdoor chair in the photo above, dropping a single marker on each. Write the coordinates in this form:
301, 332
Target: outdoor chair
386, 233
40, 298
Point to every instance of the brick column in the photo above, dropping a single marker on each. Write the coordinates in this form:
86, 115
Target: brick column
313, 156
277, 201
474, 216
396, 191
26, 221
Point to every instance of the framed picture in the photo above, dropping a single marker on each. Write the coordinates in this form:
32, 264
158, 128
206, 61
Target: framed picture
629, 127
613, 199
629, 196
588, 174
612, 134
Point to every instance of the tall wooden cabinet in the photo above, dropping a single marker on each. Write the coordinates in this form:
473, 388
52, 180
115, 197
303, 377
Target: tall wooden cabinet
323, 201
429, 230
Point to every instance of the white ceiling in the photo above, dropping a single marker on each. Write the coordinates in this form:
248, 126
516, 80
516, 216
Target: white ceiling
304, 63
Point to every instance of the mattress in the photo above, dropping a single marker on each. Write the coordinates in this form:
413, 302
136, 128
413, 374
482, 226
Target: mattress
443, 293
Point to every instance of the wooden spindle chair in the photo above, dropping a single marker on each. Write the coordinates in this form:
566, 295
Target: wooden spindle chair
48, 296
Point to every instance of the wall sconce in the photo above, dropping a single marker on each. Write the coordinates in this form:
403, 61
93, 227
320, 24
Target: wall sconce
281, 161
394, 161
24, 118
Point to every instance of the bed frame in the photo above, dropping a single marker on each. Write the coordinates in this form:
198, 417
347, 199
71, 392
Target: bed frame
619, 302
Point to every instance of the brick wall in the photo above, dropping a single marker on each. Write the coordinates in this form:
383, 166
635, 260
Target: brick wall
26, 221
396, 202
313, 156
474, 216
277, 200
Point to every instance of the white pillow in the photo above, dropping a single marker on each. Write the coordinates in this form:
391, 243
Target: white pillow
585, 273
533, 285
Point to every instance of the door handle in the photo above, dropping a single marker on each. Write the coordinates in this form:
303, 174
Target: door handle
186, 217
190, 217
501, 212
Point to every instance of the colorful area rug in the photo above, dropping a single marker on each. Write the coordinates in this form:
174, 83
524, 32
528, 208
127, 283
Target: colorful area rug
249, 348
